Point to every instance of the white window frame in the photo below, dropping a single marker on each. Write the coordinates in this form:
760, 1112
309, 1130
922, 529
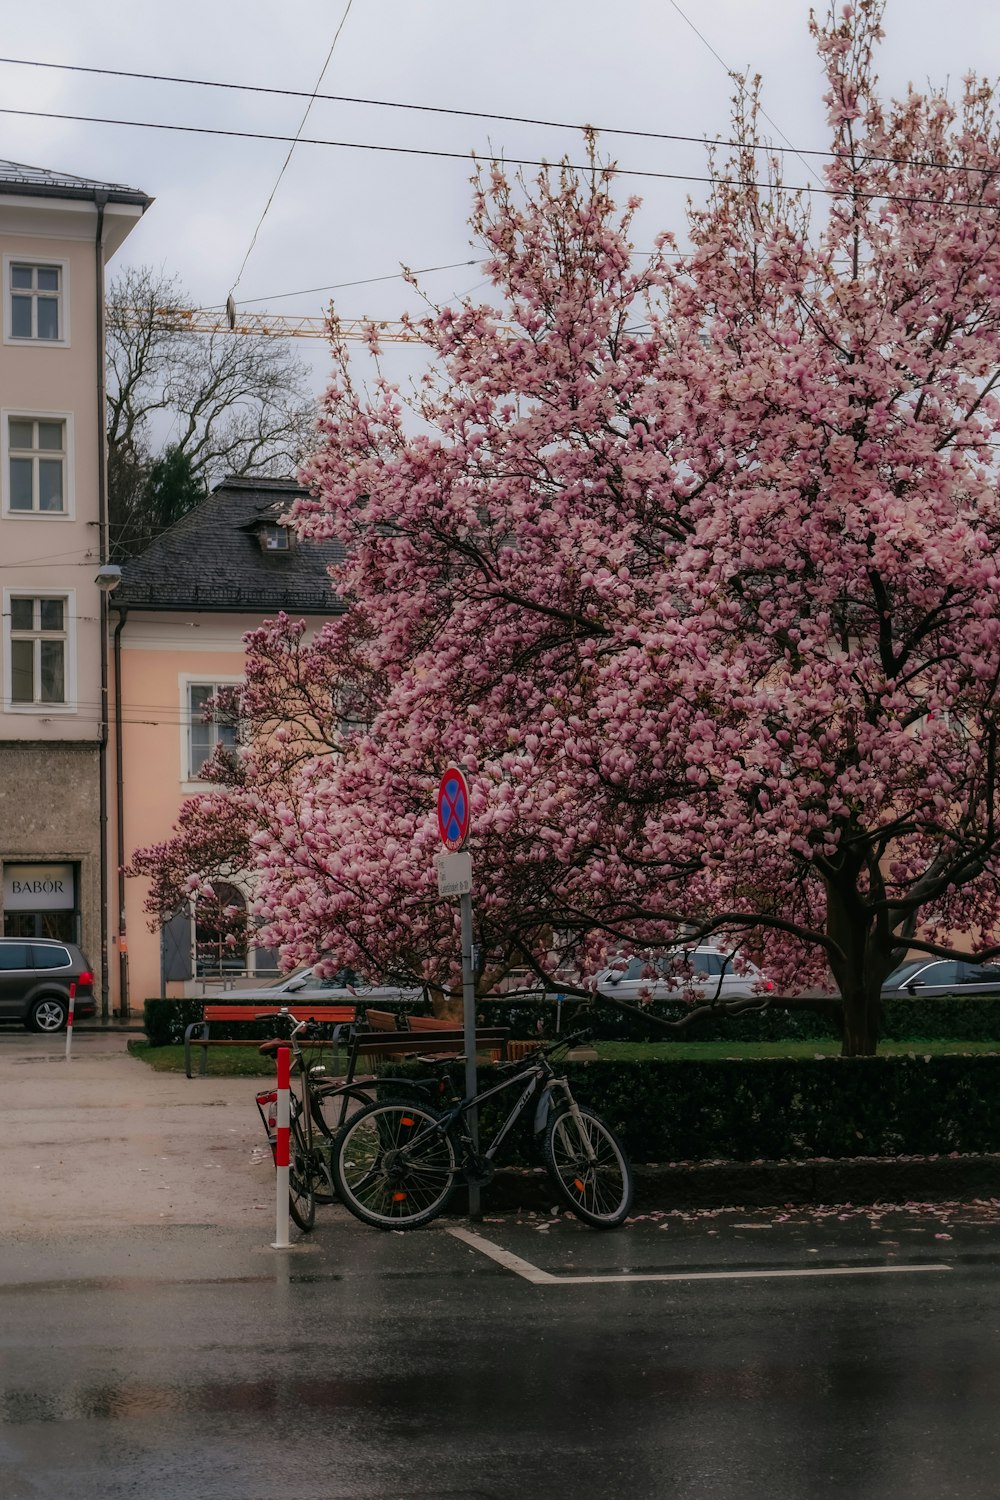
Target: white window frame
188, 680
62, 266
41, 710
275, 538
16, 414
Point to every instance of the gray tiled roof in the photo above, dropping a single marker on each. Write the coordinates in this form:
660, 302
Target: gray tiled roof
15, 177
212, 559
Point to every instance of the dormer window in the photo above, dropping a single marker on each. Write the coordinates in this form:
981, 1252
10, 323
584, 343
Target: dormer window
275, 538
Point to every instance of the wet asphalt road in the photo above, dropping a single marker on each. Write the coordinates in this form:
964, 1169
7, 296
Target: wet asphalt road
153, 1344
193, 1362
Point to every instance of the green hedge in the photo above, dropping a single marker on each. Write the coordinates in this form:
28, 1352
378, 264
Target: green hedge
527, 1018
944, 1018
939, 1018
778, 1109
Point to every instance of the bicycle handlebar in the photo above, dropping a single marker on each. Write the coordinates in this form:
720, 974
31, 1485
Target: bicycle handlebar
273, 1043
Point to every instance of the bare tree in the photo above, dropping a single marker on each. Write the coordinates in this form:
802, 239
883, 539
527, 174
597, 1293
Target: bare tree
226, 404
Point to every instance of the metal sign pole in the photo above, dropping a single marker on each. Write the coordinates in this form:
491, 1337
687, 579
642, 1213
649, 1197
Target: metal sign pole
454, 873
469, 1023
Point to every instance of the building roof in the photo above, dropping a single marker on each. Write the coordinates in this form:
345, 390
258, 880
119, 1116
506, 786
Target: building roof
212, 559
38, 182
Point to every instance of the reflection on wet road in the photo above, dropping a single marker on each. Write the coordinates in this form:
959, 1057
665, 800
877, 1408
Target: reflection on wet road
199, 1363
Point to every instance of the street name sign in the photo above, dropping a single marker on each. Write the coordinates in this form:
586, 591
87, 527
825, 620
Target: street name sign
454, 873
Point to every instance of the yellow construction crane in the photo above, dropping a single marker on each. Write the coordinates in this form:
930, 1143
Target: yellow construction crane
203, 320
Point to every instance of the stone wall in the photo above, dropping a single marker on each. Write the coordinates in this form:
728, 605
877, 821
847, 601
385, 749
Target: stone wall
50, 811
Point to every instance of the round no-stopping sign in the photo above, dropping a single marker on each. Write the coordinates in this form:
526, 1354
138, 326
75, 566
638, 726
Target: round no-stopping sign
453, 808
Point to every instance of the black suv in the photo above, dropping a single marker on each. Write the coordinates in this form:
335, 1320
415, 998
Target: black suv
35, 976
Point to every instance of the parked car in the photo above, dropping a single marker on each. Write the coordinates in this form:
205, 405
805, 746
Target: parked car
302, 985
35, 976
942, 976
712, 974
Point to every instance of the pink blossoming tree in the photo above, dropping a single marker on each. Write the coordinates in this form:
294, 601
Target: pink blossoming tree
692, 562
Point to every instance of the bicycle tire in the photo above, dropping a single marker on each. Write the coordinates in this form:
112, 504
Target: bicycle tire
381, 1179
301, 1180
322, 1171
598, 1189
326, 1129
339, 1097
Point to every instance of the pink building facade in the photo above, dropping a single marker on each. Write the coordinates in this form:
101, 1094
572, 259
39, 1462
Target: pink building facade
57, 233
177, 626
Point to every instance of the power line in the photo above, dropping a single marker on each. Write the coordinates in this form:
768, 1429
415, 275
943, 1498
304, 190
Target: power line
477, 114
509, 161
737, 79
277, 184
339, 286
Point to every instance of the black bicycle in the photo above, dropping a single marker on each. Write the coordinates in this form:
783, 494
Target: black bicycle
318, 1111
310, 1143
397, 1162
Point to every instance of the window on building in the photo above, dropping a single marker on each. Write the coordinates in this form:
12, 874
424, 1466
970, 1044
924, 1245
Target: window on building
40, 901
212, 723
38, 650
221, 931
36, 302
275, 538
36, 457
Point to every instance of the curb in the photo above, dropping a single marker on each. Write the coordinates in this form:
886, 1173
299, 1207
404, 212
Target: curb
731, 1184
108, 1028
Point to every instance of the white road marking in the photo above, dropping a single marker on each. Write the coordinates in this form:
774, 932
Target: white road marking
538, 1277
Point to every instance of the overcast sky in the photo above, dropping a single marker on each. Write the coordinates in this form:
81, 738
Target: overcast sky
341, 215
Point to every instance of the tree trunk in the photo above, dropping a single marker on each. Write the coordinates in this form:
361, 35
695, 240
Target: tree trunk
444, 1004
860, 1024
859, 970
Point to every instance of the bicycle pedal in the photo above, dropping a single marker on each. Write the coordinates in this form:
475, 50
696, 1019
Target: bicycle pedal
478, 1171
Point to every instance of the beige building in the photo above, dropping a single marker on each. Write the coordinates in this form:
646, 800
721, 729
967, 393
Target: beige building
178, 622
57, 233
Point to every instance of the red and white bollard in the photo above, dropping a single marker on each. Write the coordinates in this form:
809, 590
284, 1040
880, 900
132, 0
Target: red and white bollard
69, 1020
282, 1154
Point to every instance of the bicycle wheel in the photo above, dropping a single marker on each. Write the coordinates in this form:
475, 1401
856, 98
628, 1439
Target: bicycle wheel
393, 1168
590, 1170
301, 1180
333, 1106
322, 1170
331, 1109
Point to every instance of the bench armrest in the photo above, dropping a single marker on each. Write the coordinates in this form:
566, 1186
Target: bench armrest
196, 1032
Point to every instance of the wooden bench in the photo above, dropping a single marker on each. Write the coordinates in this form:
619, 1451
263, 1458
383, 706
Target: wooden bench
198, 1033
383, 1020
404, 1027
439, 1028
442, 1040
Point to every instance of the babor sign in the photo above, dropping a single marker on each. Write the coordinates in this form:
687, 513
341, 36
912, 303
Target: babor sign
38, 888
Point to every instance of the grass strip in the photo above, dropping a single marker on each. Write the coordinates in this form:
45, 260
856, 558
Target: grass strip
246, 1062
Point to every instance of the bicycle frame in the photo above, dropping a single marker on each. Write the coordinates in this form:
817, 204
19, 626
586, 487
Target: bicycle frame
397, 1164
536, 1073
299, 1109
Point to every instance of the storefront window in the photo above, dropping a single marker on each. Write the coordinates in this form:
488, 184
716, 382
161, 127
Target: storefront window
39, 901
60, 925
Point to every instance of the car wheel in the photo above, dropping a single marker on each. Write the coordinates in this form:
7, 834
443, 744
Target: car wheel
48, 1014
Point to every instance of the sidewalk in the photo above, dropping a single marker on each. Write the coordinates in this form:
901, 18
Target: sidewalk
103, 1140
